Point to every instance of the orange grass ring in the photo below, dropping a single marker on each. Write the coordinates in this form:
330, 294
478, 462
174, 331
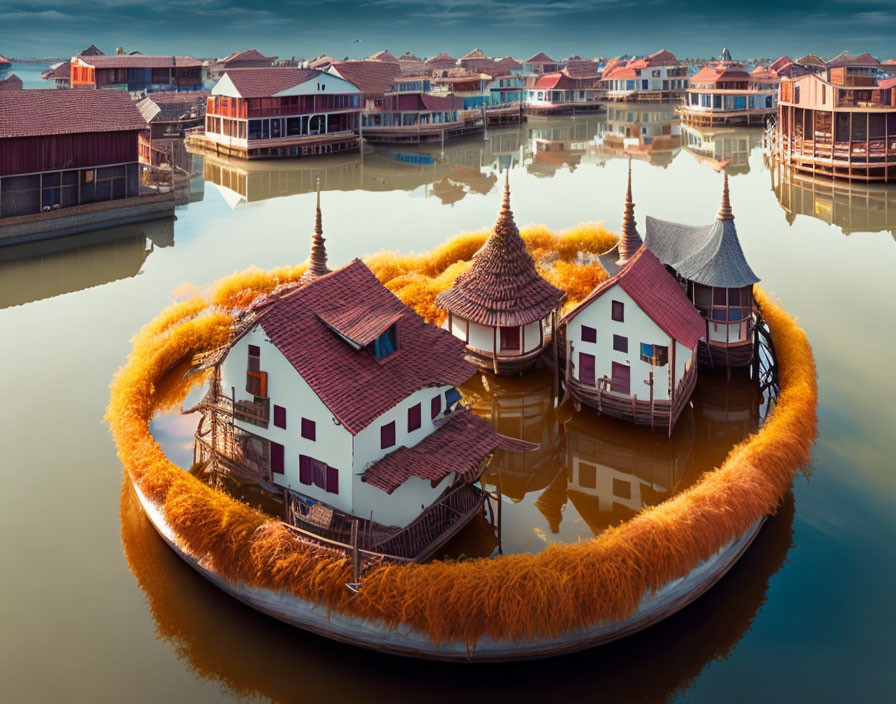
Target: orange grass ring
512, 597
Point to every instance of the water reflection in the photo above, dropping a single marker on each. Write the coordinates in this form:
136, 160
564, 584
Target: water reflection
38, 270
853, 207
727, 147
249, 655
649, 132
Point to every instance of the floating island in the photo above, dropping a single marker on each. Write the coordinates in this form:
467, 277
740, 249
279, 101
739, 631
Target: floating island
342, 402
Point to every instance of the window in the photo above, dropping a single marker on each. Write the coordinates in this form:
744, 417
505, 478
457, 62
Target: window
587, 475
510, 338
589, 334
254, 358
257, 383
618, 311
435, 406
276, 458
414, 420
279, 416
385, 344
622, 489
657, 355
309, 429
620, 343
387, 435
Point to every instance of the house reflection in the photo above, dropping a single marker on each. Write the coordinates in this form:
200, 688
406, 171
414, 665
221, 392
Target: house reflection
649, 132
853, 207
559, 142
719, 147
38, 270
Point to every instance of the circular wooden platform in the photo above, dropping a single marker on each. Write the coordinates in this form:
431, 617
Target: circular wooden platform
409, 642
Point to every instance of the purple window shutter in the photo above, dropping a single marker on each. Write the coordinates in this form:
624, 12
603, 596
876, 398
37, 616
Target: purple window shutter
277, 458
279, 416
332, 480
589, 334
305, 469
435, 406
387, 435
309, 429
414, 420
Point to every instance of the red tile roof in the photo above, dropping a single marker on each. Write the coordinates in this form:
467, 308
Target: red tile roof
444, 56
475, 54
540, 58
263, 82
658, 294
557, 80
619, 71
383, 55
502, 287
368, 76
711, 73
663, 57
780, 63
352, 383
63, 70
26, 113
247, 55
139, 61
844, 58
11, 82
887, 83
459, 445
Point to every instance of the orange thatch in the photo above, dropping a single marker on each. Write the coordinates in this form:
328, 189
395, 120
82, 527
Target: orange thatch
563, 587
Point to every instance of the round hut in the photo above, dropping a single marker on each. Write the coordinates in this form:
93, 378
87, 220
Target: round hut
501, 307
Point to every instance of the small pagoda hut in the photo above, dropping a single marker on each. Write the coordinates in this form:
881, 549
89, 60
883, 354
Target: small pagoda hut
719, 281
501, 307
631, 345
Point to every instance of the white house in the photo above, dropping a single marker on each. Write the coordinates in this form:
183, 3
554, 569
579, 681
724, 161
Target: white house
658, 76
631, 345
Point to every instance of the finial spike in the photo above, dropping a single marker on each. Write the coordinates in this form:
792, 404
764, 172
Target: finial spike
725, 212
505, 224
629, 239
317, 262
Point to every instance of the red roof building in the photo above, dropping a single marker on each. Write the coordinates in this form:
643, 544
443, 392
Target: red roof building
280, 112
631, 345
541, 63
136, 73
442, 61
501, 307
659, 76
60, 149
344, 400
725, 93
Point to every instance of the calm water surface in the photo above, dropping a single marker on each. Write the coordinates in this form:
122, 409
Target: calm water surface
96, 608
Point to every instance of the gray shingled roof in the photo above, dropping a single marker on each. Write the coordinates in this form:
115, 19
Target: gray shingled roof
710, 254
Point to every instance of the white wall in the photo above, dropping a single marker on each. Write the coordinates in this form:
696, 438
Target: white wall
482, 337
333, 443
638, 327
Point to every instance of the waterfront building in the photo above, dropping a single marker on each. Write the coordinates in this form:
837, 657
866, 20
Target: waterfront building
559, 94
501, 307
250, 58
631, 344
170, 115
727, 94
60, 74
263, 113
136, 73
69, 163
440, 62
335, 396
659, 76
11, 82
709, 262
540, 64
839, 124
474, 62
473, 89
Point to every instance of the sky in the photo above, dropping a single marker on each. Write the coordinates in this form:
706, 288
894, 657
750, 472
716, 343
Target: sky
305, 28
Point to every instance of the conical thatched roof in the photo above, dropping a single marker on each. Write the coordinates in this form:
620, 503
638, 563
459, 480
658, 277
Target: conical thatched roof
502, 287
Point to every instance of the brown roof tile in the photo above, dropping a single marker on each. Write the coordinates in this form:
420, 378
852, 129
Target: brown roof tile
658, 294
11, 82
540, 58
352, 383
25, 113
383, 55
139, 60
502, 287
369, 76
247, 55
263, 82
459, 445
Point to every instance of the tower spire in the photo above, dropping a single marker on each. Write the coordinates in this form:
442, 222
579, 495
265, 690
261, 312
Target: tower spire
505, 224
629, 239
317, 262
725, 212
